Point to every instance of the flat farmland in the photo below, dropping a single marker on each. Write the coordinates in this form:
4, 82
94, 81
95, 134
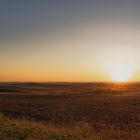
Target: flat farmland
66, 104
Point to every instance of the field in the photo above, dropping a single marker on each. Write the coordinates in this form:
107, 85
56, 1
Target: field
70, 111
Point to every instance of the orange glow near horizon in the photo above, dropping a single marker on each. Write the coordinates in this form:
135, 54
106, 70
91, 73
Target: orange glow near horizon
76, 60
117, 65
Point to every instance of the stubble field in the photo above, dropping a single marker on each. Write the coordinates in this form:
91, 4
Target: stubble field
70, 111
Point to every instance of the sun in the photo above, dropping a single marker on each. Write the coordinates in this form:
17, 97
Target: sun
119, 64
120, 75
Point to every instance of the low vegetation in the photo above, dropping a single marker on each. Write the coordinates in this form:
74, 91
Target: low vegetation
91, 111
22, 129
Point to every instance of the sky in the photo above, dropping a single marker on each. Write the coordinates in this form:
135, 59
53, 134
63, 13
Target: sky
69, 40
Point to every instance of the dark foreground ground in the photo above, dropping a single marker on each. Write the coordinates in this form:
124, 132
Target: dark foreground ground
98, 108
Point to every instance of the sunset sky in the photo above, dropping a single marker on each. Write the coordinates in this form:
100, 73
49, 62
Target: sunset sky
69, 40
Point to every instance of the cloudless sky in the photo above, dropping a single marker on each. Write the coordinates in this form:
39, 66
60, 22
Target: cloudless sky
69, 40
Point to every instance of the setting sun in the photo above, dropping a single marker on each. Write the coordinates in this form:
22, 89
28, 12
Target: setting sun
119, 64
120, 75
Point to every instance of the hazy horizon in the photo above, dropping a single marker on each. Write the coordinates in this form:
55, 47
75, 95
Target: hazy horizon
69, 41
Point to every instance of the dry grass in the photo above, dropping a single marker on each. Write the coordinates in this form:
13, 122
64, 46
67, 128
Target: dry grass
11, 129
70, 111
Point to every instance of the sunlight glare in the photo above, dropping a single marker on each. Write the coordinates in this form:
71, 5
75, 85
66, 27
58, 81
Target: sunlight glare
120, 75
119, 64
